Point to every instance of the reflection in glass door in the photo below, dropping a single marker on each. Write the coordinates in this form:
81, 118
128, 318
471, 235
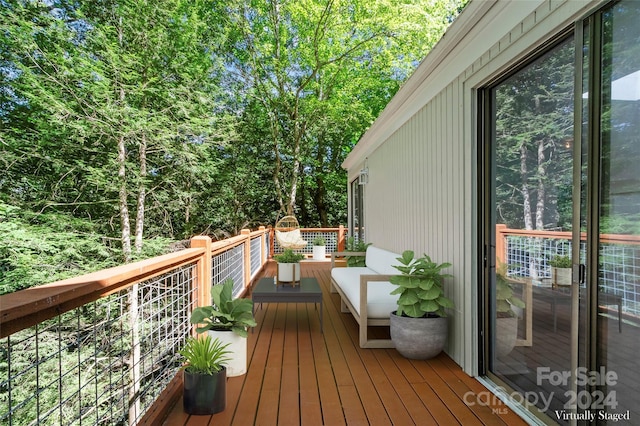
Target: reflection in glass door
567, 348
531, 209
612, 335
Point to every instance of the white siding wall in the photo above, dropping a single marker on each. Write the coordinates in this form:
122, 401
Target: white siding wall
416, 196
422, 192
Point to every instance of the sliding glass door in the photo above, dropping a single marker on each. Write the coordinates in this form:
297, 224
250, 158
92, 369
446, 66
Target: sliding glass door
530, 188
561, 184
611, 141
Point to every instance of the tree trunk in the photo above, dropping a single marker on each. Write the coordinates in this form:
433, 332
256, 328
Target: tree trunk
320, 195
134, 356
125, 234
526, 200
541, 191
141, 194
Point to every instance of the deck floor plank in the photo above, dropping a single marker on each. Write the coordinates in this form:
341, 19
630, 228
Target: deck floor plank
310, 406
300, 375
411, 402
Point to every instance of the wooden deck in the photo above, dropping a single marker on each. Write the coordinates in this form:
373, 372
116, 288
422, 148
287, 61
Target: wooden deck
298, 375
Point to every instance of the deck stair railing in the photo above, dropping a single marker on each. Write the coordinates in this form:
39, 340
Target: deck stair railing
102, 348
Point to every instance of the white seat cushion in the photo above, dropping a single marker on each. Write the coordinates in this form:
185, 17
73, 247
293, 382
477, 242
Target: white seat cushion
289, 238
380, 303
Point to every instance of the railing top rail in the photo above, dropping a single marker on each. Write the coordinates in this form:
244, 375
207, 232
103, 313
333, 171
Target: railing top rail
566, 235
223, 245
31, 306
322, 229
259, 232
25, 308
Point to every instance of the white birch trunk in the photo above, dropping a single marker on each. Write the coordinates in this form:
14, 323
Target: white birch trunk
141, 194
526, 201
541, 191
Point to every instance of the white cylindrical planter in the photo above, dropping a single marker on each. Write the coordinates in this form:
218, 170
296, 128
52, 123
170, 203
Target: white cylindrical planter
237, 365
319, 253
288, 272
561, 276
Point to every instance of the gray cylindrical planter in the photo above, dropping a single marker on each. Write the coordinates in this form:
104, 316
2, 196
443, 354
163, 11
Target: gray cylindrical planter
419, 338
506, 335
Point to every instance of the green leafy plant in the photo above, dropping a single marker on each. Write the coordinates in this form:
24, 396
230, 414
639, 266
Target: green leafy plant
505, 299
319, 241
420, 287
204, 355
288, 256
226, 313
560, 262
358, 246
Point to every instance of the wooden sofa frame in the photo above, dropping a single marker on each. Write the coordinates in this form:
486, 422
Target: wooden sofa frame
362, 319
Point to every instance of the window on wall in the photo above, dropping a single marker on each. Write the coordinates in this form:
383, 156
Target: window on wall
357, 210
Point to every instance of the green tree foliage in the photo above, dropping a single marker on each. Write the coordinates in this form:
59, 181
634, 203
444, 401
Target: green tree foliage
111, 104
174, 117
534, 142
315, 74
39, 248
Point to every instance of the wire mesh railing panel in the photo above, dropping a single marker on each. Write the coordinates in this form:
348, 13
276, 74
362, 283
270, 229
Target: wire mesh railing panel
619, 265
620, 274
529, 256
256, 255
330, 239
103, 363
229, 265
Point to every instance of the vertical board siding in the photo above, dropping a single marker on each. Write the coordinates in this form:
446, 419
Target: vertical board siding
422, 191
420, 172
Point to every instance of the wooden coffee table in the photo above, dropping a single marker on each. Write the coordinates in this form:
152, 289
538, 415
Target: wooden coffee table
309, 291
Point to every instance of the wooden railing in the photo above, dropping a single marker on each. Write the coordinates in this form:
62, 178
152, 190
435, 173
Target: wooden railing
111, 321
527, 253
335, 239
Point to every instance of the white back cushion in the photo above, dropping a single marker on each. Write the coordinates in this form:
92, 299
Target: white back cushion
382, 261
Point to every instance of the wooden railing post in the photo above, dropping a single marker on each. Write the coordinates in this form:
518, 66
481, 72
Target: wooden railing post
265, 254
247, 257
203, 266
272, 245
340, 238
501, 244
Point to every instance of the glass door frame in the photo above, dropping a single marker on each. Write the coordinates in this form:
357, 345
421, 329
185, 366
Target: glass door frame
486, 212
586, 201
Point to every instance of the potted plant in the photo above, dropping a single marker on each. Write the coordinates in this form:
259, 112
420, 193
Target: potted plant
227, 319
507, 304
319, 249
205, 377
560, 270
419, 326
288, 266
357, 246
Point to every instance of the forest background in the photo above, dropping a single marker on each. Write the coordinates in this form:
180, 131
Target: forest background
127, 127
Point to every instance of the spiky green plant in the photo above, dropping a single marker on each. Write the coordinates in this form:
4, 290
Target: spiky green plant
288, 256
356, 245
204, 355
